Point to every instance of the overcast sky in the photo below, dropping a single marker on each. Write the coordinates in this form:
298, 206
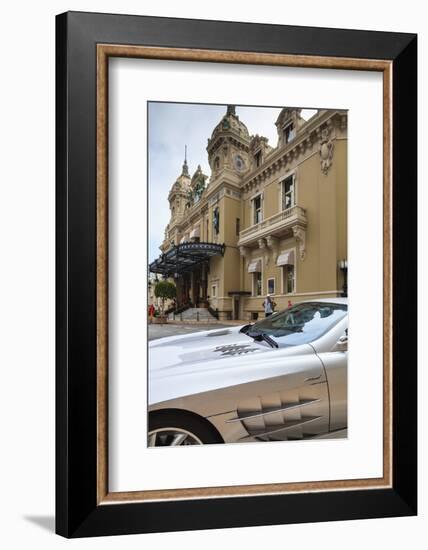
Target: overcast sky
174, 125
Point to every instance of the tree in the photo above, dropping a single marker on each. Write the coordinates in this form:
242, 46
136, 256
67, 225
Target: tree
165, 290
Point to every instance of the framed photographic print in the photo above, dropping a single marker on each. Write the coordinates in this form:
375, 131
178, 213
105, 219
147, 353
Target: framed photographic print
236, 274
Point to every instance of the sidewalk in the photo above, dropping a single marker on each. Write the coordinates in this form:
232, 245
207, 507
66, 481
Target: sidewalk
208, 322
175, 329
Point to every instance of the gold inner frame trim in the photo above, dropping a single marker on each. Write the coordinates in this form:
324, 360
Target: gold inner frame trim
104, 51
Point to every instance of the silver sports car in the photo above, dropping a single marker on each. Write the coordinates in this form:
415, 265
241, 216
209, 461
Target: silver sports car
282, 378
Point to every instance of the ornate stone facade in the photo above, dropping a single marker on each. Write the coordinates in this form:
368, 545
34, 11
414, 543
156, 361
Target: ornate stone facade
280, 212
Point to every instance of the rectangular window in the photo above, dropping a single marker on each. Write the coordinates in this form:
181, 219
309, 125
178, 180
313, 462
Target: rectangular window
213, 291
257, 283
207, 237
288, 193
289, 279
289, 133
257, 209
238, 226
271, 286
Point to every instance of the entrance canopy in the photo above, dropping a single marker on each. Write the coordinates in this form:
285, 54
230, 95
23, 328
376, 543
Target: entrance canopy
185, 257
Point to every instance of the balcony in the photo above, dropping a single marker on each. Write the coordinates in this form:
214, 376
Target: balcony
278, 225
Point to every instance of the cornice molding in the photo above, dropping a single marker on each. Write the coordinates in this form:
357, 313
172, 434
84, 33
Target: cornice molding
287, 156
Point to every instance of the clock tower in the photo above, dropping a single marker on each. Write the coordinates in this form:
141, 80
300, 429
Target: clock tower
228, 148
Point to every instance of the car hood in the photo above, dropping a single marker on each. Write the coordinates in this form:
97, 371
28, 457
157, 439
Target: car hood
203, 346
211, 359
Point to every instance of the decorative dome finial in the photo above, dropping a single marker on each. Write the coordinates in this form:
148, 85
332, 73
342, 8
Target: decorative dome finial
231, 110
185, 171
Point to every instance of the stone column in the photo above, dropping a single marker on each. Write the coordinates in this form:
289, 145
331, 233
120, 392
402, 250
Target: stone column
192, 287
179, 286
204, 282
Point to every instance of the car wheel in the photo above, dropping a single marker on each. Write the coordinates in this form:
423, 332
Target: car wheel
172, 429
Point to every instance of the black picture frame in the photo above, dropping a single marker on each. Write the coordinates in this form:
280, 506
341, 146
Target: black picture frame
78, 513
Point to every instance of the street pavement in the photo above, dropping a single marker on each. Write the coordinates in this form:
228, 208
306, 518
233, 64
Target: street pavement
160, 331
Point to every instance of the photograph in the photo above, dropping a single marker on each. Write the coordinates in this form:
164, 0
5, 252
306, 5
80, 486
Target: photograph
247, 307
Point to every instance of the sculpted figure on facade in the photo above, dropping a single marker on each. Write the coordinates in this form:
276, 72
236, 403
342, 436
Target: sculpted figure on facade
326, 150
299, 234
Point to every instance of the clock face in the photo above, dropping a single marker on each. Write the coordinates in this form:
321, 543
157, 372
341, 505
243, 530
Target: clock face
239, 163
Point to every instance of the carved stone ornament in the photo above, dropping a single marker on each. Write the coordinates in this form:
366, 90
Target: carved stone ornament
300, 235
216, 220
272, 243
243, 250
326, 151
262, 246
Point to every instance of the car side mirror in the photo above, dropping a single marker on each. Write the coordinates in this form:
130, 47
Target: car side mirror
342, 344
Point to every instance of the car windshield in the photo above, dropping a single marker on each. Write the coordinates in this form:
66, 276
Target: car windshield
300, 324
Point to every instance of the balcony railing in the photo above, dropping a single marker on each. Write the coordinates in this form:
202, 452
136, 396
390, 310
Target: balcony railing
274, 225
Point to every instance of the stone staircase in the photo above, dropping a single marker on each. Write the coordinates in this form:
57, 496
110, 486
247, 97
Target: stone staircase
194, 315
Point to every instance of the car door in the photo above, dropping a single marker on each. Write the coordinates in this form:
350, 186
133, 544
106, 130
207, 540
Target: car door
335, 361
289, 406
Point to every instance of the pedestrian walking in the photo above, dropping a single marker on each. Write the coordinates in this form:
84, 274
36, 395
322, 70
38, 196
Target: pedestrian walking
268, 305
151, 313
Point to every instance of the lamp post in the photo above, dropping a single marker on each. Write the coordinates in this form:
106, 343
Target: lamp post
343, 266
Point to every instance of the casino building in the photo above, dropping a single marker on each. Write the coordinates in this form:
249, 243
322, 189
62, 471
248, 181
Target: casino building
268, 220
